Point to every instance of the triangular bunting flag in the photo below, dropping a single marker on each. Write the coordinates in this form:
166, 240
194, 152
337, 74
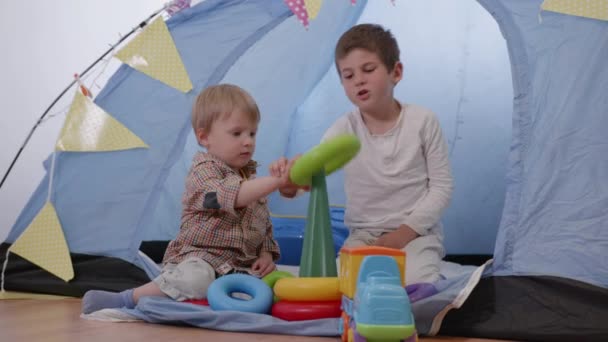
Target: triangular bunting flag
154, 53
299, 9
43, 244
89, 128
313, 7
176, 6
594, 9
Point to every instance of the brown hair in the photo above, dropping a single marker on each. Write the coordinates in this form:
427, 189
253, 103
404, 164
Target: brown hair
218, 100
371, 37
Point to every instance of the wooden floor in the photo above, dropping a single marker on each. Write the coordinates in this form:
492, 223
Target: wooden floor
59, 320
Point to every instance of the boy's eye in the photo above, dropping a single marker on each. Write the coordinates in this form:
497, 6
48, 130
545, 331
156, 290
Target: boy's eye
236, 134
347, 76
369, 69
252, 134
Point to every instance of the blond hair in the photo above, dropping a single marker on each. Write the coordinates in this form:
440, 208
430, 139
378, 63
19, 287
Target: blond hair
371, 37
219, 100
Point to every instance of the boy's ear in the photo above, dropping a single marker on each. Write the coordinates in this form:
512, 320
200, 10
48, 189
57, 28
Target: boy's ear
397, 72
202, 137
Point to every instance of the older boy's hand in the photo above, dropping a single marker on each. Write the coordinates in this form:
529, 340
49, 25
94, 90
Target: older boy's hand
280, 168
264, 264
397, 239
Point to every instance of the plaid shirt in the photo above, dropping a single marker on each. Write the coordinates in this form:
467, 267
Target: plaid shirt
211, 228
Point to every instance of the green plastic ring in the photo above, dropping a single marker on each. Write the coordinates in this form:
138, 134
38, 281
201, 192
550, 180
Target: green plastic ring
271, 278
330, 155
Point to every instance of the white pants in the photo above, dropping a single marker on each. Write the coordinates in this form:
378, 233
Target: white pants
423, 254
187, 280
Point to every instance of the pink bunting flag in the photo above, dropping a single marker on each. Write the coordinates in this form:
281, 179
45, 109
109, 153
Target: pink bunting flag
299, 9
176, 6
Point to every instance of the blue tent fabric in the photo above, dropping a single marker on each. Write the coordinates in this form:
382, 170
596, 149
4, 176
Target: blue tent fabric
127, 190
137, 192
555, 220
465, 80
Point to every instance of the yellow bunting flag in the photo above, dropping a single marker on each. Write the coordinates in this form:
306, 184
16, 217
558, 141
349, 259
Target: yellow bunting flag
88, 128
594, 9
43, 244
154, 53
313, 7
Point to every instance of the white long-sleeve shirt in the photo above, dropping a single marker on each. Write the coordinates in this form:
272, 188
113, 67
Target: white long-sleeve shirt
400, 177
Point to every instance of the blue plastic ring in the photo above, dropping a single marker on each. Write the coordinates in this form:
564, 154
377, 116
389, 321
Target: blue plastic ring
221, 289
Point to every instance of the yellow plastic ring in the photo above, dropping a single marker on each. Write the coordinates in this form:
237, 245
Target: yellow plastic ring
308, 289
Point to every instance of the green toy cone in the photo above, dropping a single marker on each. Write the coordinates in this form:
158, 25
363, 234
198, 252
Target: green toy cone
318, 252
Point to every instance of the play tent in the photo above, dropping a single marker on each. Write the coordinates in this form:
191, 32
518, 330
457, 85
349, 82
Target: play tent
519, 92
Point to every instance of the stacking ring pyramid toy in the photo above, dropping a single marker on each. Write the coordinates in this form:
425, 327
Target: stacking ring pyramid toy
318, 253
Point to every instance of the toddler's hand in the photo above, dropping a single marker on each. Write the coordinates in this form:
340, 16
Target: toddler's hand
264, 264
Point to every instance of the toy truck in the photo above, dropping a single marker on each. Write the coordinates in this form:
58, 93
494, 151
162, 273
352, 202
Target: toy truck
382, 309
375, 305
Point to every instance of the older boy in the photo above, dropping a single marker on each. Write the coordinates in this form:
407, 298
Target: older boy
400, 182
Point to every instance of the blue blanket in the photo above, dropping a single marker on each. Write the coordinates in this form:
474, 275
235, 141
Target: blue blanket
452, 291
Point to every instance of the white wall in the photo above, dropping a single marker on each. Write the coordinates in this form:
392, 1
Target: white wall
44, 43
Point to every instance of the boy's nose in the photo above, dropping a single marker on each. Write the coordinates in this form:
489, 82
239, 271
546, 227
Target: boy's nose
360, 79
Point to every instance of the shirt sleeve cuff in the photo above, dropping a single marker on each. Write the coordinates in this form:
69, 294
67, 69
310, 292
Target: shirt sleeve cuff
271, 247
416, 227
